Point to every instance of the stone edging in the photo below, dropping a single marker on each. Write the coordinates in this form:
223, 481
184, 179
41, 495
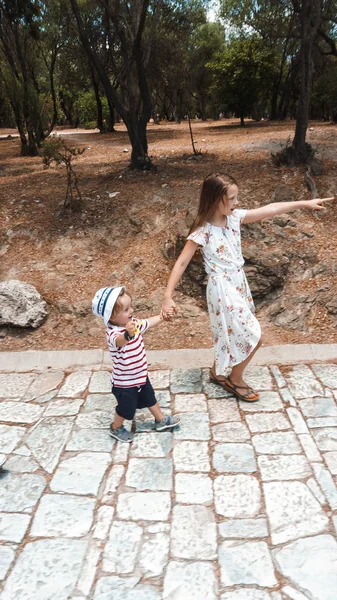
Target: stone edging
39, 360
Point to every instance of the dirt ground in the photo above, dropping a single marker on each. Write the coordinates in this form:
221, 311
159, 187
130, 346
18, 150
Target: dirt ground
121, 238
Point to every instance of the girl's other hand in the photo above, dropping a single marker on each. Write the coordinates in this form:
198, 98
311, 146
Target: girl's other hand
317, 203
168, 308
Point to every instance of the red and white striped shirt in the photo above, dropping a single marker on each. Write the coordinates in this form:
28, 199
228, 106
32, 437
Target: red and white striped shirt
129, 364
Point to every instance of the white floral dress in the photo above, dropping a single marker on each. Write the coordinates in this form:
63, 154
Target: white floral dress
235, 329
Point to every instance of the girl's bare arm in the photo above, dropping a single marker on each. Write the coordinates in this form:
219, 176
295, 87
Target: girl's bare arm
178, 270
278, 208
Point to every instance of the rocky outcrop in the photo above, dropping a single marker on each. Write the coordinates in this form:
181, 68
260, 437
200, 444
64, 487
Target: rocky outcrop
292, 313
266, 271
21, 304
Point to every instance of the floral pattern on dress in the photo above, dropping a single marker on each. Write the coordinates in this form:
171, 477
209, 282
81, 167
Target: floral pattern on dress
235, 329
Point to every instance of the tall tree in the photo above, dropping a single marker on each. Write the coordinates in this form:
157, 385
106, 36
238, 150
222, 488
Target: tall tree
128, 30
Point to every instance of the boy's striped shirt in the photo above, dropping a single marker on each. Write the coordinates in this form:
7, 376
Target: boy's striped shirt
129, 364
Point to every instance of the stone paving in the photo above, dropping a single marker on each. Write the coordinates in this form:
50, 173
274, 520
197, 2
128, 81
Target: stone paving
239, 503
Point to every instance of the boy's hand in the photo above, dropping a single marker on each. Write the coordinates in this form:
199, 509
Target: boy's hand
131, 328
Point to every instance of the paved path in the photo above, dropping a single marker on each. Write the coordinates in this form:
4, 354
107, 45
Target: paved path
240, 503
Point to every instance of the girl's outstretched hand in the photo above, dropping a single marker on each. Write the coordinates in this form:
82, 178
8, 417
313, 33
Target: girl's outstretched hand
168, 308
317, 203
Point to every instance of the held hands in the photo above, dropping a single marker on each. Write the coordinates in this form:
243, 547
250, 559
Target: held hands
168, 309
317, 203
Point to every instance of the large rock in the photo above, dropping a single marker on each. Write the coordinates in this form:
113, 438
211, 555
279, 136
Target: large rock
21, 304
283, 193
265, 270
292, 312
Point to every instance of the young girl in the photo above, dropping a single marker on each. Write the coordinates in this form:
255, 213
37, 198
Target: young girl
216, 230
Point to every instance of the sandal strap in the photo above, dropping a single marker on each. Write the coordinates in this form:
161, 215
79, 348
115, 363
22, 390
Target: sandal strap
241, 387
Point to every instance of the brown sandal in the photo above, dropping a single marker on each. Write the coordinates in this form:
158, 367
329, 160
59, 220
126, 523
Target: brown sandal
213, 378
233, 387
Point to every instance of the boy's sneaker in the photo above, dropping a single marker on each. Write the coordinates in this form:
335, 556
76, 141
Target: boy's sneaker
167, 423
121, 434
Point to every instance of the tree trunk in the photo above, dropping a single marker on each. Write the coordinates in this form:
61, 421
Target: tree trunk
310, 20
100, 124
242, 119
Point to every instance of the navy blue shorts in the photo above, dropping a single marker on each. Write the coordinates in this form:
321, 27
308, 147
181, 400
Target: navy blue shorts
132, 398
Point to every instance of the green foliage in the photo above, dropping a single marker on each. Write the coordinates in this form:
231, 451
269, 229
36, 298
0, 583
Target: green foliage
242, 75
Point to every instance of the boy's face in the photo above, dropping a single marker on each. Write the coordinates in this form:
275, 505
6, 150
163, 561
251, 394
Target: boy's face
125, 312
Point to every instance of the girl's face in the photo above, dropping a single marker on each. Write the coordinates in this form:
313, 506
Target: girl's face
125, 312
228, 203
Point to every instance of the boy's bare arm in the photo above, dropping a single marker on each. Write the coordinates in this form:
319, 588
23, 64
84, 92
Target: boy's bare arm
158, 318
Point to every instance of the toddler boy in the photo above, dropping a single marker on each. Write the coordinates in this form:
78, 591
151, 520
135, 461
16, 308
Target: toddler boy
130, 383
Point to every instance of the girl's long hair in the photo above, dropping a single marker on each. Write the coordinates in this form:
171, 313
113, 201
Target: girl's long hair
214, 189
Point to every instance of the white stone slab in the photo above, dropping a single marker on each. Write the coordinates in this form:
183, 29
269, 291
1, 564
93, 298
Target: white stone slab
185, 381
113, 480
287, 396
89, 569
10, 436
281, 382
326, 438
104, 402
191, 456
318, 407
316, 490
147, 506
237, 496
190, 403
122, 548
20, 492
282, 442
46, 397
95, 420
223, 410
303, 383
319, 422
331, 461
326, 483
45, 569
284, 467
63, 516
199, 578
311, 565
269, 402
13, 526
234, 458
15, 385
100, 382
160, 379
193, 426
259, 378
244, 528
93, 440
124, 588
230, 432
44, 383
19, 412
59, 408
246, 563
309, 448
293, 511
81, 474
75, 384
149, 474
154, 554
105, 515
22, 464
163, 398
193, 488
327, 374
7, 555
260, 422
248, 594
297, 421
48, 439
193, 533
